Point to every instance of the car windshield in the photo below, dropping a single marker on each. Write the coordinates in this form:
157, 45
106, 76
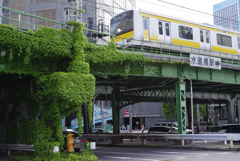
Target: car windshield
122, 23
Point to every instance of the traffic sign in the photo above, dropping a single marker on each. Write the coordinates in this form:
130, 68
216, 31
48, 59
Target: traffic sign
126, 113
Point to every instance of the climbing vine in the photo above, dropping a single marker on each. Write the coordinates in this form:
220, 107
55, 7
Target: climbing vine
57, 67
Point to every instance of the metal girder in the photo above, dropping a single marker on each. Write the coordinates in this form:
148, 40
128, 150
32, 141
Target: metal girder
146, 95
181, 105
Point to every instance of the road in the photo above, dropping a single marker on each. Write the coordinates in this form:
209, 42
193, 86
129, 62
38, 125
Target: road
154, 154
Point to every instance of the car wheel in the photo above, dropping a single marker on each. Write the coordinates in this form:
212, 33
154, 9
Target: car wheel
77, 150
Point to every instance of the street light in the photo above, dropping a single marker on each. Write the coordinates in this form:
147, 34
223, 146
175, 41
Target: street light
183, 76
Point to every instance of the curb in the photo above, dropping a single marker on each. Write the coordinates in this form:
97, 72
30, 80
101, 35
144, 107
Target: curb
170, 147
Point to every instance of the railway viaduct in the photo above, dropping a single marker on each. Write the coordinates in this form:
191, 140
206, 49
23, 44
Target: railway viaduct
153, 82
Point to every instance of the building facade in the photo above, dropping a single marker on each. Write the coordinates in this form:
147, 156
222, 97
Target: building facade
97, 13
226, 14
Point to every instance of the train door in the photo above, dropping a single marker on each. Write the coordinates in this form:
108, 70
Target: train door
167, 35
145, 28
205, 39
164, 32
161, 31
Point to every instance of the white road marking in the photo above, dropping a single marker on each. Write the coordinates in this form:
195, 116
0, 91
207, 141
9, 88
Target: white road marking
140, 154
130, 158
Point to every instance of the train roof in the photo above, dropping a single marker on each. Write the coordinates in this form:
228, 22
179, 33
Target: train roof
204, 25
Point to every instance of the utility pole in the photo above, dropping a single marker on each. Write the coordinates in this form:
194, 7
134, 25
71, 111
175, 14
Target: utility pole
102, 116
130, 118
1, 13
79, 15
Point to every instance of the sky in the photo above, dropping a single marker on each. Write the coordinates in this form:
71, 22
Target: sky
205, 6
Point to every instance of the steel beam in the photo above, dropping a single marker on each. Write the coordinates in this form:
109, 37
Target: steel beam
181, 105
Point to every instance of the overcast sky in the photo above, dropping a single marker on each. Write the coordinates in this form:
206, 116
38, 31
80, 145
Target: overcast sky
166, 9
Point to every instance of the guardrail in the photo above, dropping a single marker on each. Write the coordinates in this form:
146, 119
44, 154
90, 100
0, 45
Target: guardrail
221, 137
25, 147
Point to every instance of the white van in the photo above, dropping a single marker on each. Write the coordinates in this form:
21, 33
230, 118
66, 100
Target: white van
166, 124
175, 126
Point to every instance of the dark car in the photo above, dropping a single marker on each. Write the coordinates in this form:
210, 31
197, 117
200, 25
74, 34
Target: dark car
235, 129
79, 141
99, 131
160, 130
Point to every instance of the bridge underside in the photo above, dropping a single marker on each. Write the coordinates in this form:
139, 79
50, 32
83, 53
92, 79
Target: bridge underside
219, 86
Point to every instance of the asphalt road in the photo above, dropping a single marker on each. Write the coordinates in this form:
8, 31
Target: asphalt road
154, 154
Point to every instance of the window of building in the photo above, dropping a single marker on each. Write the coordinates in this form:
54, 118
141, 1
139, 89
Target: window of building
100, 12
185, 32
224, 40
48, 14
107, 18
160, 28
167, 29
201, 35
109, 3
85, 9
41, 1
129, 5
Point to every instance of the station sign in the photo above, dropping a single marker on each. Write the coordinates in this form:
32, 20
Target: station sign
205, 61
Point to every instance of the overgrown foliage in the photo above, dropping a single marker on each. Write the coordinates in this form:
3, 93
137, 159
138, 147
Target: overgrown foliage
172, 113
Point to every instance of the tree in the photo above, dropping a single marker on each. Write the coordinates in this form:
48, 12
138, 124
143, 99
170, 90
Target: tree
168, 112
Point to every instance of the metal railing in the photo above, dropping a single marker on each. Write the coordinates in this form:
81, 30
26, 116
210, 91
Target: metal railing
22, 21
25, 147
220, 137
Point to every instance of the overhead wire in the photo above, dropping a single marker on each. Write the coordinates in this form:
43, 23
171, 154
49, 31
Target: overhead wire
182, 7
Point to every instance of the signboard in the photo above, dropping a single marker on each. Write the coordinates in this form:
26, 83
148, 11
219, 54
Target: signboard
205, 61
126, 113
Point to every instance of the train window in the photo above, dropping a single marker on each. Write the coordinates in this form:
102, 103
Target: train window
160, 28
207, 36
224, 40
185, 32
145, 23
201, 36
167, 29
238, 42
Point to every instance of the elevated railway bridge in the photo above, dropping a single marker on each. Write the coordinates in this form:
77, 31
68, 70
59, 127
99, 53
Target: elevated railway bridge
155, 83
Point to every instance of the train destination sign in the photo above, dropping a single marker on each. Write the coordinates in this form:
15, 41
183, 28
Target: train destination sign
205, 61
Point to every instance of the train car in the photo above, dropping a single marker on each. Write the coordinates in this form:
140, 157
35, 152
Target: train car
161, 31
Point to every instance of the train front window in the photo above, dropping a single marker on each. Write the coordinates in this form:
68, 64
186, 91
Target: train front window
122, 23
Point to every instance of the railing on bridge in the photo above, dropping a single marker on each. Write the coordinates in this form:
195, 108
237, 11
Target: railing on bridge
24, 21
160, 51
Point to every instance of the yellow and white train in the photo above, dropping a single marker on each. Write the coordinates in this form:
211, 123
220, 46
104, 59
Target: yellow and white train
152, 27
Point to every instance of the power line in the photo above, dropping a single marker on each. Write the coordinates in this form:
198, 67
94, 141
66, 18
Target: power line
192, 10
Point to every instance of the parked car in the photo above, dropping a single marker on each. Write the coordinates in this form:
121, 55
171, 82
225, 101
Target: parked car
174, 125
99, 131
234, 129
161, 130
225, 127
79, 141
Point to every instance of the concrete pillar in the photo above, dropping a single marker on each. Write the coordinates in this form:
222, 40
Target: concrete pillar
230, 104
238, 106
116, 111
